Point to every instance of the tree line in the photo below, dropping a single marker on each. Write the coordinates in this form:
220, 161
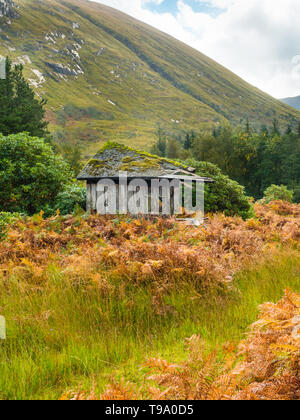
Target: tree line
255, 159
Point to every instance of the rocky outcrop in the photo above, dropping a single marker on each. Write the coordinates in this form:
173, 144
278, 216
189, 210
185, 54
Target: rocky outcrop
8, 9
60, 69
64, 70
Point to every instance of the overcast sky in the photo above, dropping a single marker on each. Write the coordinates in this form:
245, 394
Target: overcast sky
257, 39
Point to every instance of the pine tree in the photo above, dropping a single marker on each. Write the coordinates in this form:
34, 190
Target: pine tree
20, 111
162, 142
187, 143
248, 127
189, 140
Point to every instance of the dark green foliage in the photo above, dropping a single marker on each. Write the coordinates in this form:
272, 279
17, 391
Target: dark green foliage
19, 110
31, 175
71, 198
254, 160
224, 195
160, 148
297, 194
189, 140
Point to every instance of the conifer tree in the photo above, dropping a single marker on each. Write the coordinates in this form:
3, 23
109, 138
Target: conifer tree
162, 142
20, 111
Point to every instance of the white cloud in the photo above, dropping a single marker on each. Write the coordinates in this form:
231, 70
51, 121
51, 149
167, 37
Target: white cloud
257, 39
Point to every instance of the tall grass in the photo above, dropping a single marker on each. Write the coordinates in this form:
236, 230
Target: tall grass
87, 299
60, 336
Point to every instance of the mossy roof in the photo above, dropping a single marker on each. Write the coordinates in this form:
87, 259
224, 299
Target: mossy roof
113, 158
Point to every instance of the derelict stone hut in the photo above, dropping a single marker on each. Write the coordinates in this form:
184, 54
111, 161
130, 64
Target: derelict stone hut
115, 159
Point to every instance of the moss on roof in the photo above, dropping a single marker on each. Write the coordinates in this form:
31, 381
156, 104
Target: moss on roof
114, 157
110, 145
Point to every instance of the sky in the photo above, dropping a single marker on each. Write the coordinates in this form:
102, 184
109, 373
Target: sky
256, 39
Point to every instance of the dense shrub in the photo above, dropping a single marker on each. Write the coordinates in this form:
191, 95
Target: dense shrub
72, 197
224, 195
278, 192
31, 175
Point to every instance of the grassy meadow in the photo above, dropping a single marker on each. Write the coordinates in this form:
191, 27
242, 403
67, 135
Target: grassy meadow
87, 300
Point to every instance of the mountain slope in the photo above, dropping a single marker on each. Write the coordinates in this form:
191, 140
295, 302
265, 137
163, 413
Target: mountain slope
108, 76
294, 102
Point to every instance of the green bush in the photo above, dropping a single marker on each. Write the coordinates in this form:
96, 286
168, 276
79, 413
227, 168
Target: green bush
31, 174
278, 192
224, 195
71, 198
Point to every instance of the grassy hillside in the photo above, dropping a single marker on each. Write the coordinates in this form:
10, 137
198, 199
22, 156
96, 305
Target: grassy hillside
294, 102
88, 299
108, 76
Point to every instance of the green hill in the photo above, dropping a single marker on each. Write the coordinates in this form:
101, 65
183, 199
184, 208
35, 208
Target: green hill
108, 76
294, 102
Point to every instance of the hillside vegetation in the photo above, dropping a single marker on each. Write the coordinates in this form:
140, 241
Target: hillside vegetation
255, 159
88, 299
96, 66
